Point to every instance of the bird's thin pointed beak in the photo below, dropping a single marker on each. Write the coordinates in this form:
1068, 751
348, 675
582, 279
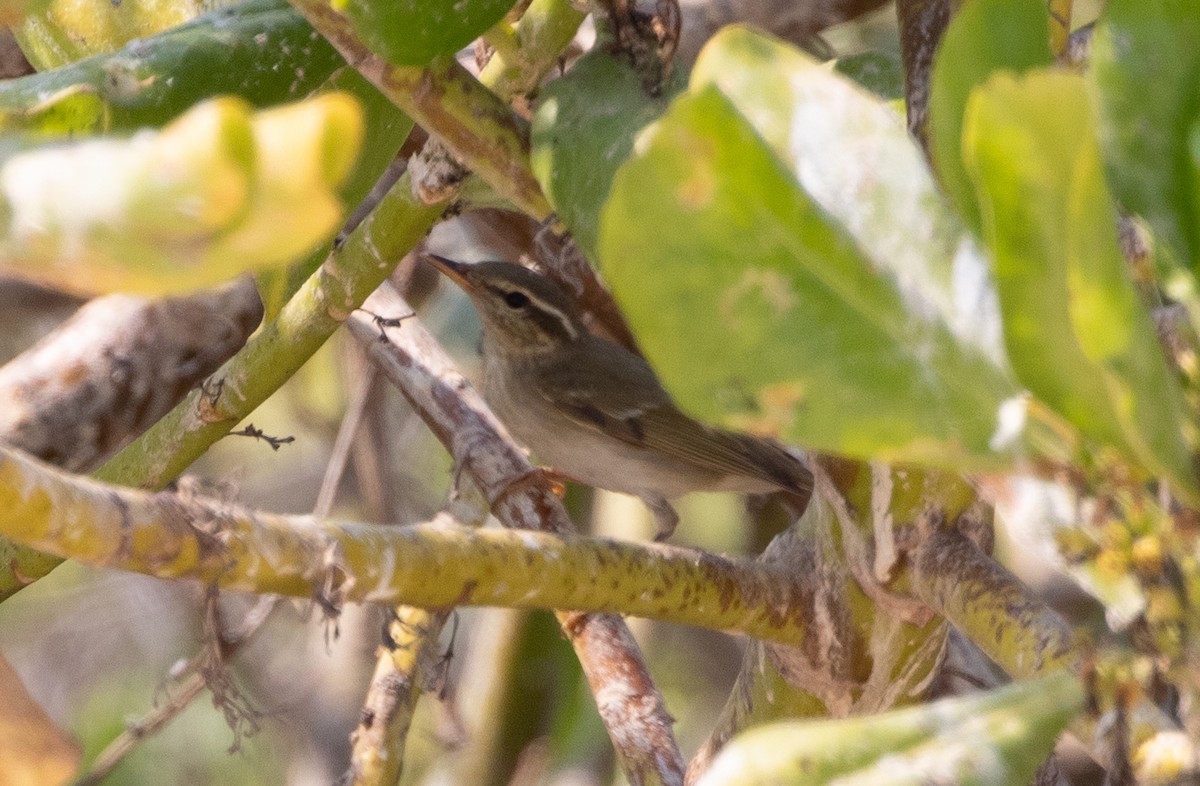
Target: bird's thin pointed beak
455, 271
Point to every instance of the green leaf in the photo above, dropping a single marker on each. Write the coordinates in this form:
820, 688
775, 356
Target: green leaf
260, 50
879, 72
851, 154
1009, 733
583, 131
64, 31
413, 32
983, 37
1146, 78
1078, 336
217, 192
755, 305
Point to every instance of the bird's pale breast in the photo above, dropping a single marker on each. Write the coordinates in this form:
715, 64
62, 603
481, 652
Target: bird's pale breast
586, 454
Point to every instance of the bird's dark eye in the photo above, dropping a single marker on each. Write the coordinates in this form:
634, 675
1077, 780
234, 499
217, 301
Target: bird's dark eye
516, 299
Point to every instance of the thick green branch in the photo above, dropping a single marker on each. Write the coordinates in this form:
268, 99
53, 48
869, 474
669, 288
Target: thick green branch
427, 565
473, 122
339, 286
538, 40
1022, 634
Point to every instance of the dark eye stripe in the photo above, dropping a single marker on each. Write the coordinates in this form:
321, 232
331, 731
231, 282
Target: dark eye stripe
552, 323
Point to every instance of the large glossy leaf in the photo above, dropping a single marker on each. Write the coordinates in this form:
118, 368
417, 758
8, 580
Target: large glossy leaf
260, 50
851, 154
413, 32
1009, 732
1146, 77
583, 131
757, 305
985, 36
1076, 331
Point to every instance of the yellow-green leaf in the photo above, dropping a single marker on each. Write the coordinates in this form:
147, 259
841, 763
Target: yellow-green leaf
1077, 334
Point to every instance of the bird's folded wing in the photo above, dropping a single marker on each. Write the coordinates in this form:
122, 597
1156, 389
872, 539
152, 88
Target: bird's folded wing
637, 410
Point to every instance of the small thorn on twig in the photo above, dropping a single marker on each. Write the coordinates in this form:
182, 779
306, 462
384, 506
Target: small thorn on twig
252, 431
383, 322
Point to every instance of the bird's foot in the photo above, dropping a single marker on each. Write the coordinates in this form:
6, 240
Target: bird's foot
547, 477
665, 517
555, 478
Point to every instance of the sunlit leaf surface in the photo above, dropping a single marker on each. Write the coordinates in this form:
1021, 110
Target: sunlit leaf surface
752, 239
219, 191
1077, 334
992, 738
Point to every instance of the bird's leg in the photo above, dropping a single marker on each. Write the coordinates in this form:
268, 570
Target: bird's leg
665, 517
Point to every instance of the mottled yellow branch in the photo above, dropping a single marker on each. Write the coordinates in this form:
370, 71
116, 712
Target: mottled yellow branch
428, 565
988, 604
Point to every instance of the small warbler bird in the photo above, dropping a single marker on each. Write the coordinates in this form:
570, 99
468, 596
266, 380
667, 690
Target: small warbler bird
594, 411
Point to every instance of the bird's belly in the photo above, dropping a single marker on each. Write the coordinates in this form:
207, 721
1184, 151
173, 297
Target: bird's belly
587, 455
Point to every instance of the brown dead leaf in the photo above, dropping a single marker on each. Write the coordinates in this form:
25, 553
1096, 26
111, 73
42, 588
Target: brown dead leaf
33, 751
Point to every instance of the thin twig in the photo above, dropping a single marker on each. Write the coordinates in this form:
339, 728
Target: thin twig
252, 431
146, 726
321, 304
361, 383
194, 677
